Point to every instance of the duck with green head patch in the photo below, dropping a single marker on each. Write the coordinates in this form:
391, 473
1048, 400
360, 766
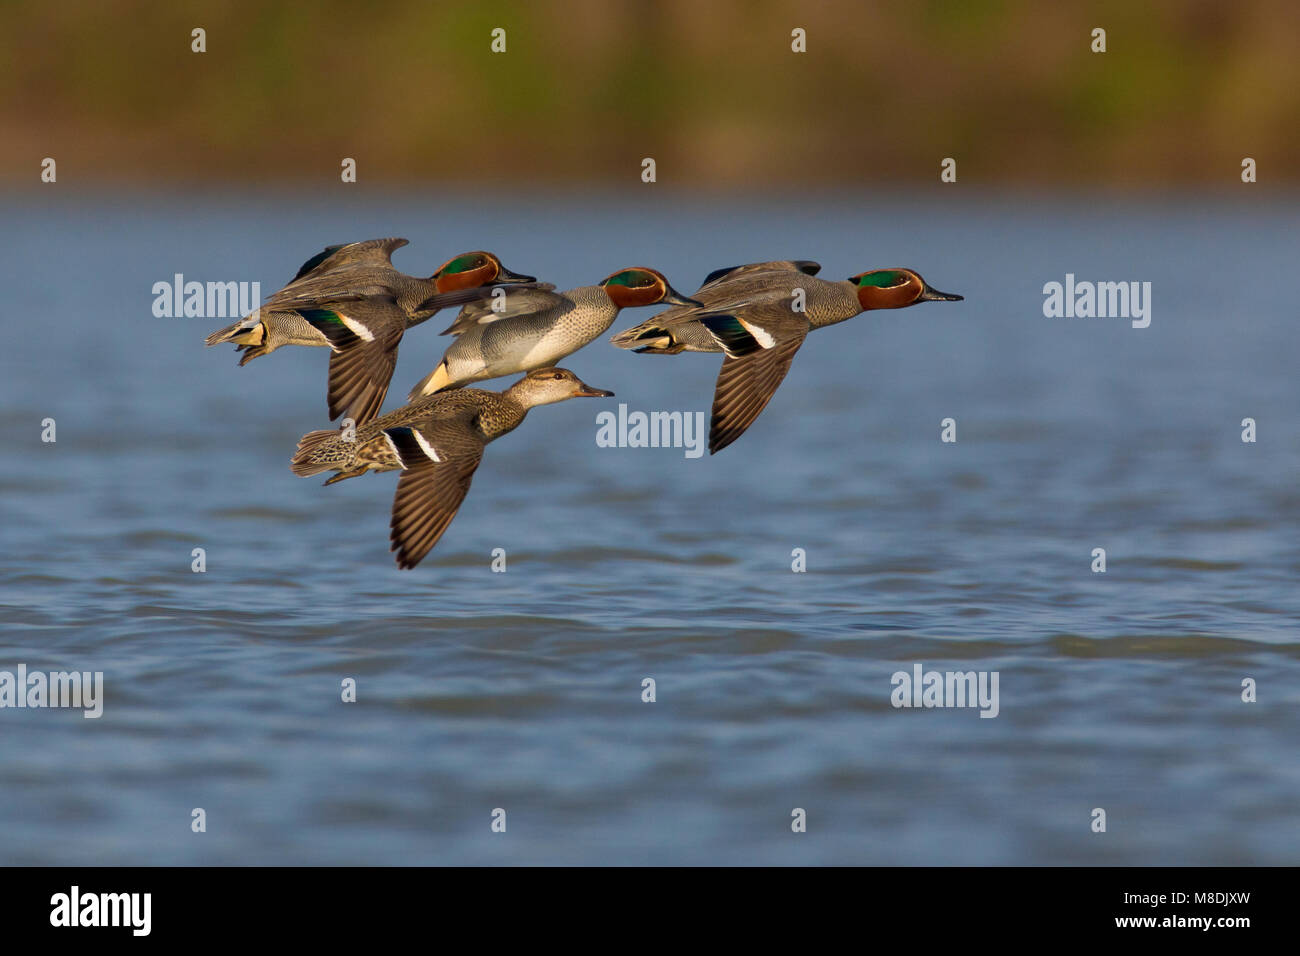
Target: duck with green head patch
350, 299
750, 313
534, 328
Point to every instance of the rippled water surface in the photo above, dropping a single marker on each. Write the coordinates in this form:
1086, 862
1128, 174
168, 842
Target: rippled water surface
522, 690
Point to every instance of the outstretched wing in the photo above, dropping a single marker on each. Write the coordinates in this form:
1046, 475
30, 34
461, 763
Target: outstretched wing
374, 252
750, 375
439, 459
364, 335
339, 274
359, 378
731, 273
518, 301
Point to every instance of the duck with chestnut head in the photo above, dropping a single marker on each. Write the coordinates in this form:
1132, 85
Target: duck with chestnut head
758, 315
535, 328
350, 299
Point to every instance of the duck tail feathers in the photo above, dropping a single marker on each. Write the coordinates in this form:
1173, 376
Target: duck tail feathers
324, 450
243, 332
654, 339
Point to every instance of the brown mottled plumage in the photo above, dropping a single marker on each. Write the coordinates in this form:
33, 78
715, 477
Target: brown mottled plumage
438, 443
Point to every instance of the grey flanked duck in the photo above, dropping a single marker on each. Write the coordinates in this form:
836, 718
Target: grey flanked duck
350, 299
755, 316
437, 443
535, 328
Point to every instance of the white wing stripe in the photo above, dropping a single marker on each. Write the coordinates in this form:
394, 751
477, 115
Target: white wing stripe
760, 334
358, 328
424, 444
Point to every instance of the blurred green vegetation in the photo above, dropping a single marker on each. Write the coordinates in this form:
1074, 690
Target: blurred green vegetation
709, 88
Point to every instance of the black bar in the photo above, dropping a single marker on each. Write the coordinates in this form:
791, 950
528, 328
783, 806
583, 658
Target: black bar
934, 904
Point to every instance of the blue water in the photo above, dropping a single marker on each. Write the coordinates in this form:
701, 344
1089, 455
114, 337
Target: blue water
522, 691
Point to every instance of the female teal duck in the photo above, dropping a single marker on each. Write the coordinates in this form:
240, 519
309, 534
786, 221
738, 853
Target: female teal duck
438, 443
752, 314
535, 328
350, 299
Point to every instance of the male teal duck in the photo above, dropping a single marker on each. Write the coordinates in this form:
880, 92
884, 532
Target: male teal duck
750, 313
350, 299
438, 443
535, 328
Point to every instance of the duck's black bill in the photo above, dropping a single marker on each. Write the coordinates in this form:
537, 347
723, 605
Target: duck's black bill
506, 277
589, 392
676, 298
934, 295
